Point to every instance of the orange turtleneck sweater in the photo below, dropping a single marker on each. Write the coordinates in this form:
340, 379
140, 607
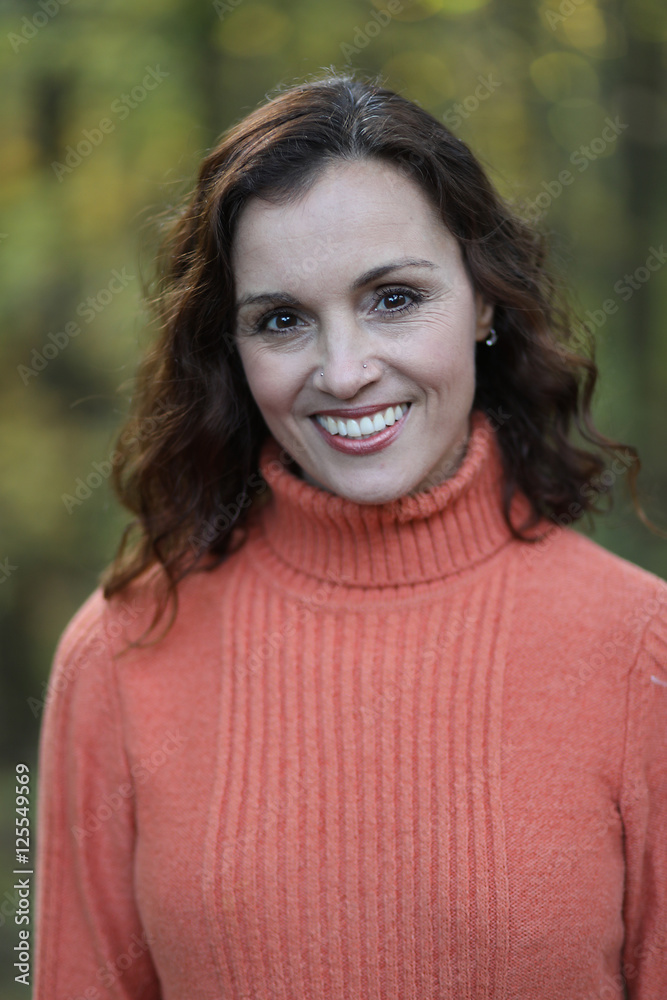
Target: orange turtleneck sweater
385, 752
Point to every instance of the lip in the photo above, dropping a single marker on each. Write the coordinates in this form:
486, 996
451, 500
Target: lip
361, 411
363, 446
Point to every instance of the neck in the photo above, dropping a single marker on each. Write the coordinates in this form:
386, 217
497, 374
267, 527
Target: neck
309, 532
451, 468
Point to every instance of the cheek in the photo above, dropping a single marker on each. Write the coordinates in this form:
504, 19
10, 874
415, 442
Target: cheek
271, 384
446, 359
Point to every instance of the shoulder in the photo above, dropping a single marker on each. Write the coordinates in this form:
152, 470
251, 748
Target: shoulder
80, 671
573, 560
83, 633
96, 623
580, 586
103, 628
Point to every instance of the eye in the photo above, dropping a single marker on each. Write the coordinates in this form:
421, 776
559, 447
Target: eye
399, 300
394, 300
279, 321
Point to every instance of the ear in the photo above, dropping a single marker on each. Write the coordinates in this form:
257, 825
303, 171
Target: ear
485, 311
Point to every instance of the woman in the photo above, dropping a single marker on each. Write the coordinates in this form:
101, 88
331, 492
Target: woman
404, 733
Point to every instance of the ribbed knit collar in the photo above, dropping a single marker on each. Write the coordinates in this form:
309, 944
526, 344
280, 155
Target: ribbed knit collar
410, 540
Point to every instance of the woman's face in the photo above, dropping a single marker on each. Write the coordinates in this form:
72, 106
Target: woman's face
359, 270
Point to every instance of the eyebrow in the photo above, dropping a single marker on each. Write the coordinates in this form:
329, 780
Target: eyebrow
364, 279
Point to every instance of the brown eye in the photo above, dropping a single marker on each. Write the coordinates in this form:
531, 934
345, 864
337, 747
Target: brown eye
278, 322
394, 299
398, 300
282, 320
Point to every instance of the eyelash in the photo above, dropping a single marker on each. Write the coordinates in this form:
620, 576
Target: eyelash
417, 299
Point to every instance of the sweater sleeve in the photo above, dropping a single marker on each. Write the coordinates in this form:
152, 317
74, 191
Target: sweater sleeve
90, 942
644, 812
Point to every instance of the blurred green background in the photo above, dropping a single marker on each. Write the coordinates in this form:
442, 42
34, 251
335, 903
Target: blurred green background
107, 110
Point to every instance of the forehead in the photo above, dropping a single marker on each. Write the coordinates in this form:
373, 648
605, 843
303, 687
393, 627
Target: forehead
353, 213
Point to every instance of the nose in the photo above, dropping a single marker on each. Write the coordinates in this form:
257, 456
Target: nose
348, 364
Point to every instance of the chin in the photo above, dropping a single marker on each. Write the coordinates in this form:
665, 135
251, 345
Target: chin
370, 493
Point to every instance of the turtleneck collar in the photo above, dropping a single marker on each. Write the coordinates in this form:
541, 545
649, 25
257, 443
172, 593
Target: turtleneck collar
410, 540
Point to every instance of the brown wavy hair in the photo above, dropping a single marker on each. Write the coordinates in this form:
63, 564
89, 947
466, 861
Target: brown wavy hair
187, 457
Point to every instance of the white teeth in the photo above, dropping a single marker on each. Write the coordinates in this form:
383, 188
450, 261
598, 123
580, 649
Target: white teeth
366, 425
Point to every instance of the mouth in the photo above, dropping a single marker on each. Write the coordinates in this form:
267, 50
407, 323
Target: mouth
366, 426
371, 433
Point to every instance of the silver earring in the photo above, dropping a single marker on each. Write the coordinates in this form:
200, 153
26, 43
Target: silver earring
492, 338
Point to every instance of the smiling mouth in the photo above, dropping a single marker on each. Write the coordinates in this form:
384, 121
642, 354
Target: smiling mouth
364, 427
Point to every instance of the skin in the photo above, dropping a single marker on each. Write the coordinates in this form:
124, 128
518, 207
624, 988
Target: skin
359, 216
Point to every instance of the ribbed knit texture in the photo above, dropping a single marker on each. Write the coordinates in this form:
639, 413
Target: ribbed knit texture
386, 752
